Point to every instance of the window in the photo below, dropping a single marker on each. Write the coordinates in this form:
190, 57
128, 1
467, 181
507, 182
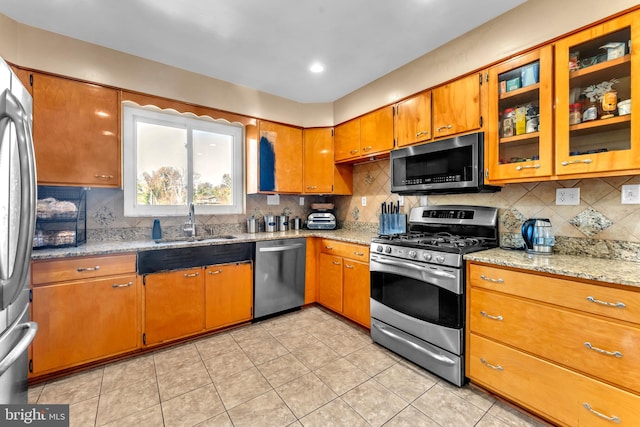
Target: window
172, 159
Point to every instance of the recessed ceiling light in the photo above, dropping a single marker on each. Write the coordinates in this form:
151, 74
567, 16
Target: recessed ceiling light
316, 67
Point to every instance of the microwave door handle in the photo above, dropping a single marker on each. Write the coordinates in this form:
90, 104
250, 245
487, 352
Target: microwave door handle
416, 267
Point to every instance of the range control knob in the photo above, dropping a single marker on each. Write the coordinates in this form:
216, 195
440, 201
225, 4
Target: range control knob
413, 254
440, 259
379, 248
388, 249
427, 256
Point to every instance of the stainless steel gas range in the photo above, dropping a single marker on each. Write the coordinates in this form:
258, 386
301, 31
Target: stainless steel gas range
418, 282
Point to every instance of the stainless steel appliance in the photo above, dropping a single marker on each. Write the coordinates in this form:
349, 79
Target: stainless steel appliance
321, 221
17, 223
418, 282
448, 166
538, 237
279, 276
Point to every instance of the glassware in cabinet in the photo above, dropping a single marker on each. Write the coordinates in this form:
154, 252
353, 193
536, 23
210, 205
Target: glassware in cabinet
592, 68
520, 132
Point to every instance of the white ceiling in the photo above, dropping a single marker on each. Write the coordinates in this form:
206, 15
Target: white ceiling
267, 44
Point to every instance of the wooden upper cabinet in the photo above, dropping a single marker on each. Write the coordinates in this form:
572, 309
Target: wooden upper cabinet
318, 161
524, 152
347, 140
76, 133
413, 120
457, 106
598, 144
280, 158
376, 132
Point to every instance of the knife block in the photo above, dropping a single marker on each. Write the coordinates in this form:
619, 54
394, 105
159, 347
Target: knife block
392, 224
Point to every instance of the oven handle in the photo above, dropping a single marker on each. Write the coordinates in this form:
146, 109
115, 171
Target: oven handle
438, 357
414, 267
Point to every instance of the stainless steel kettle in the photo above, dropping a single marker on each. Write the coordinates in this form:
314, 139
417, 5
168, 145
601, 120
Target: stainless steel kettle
538, 237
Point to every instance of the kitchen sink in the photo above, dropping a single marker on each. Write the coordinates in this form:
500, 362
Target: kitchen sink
195, 238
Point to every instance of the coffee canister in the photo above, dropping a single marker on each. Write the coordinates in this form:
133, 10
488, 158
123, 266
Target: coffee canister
253, 225
295, 223
283, 222
269, 223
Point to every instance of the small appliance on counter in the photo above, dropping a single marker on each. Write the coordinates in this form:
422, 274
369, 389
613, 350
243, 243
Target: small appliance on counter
322, 217
538, 237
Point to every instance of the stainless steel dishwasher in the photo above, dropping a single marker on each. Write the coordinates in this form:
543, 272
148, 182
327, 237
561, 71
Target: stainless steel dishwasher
279, 276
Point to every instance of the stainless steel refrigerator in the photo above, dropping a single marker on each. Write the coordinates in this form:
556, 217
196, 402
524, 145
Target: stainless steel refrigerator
17, 222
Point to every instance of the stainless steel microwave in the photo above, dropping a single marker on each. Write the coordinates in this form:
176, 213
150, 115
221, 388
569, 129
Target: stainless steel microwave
449, 166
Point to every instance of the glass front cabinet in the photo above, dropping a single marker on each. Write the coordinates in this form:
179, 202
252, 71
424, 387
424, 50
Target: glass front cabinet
597, 75
520, 131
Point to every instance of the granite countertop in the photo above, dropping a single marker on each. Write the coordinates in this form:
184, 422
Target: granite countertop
114, 247
599, 269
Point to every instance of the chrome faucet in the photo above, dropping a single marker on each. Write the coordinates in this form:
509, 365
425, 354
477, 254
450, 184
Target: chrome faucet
189, 227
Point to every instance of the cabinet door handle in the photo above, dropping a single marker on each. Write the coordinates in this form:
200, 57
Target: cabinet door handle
573, 162
105, 177
311, 187
83, 269
354, 151
191, 275
336, 262
422, 132
608, 304
441, 128
536, 166
612, 418
367, 148
122, 285
358, 253
490, 279
348, 266
601, 351
488, 316
329, 247
496, 367
214, 271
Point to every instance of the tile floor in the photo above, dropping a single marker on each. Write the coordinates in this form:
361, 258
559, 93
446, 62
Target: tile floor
306, 368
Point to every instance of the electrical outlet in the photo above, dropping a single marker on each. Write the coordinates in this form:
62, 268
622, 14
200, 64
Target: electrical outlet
364, 201
423, 200
630, 194
273, 199
301, 201
401, 200
567, 196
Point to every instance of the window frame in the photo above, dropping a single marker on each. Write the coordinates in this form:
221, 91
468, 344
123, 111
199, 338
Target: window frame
132, 113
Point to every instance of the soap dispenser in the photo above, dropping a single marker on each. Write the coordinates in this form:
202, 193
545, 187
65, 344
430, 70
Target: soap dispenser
156, 233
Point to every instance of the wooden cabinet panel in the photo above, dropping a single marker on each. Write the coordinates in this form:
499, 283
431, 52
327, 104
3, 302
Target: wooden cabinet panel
345, 249
311, 270
356, 291
174, 305
330, 282
83, 321
318, 161
456, 106
64, 269
413, 120
228, 294
76, 133
347, 140
376, 132
280, 158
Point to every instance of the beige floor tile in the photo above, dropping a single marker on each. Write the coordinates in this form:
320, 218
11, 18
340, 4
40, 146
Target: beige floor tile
305, 394
347, 343
282, 370
83, 413
472, 394
193, 407
265, 410
491, 421
372, 359
334, 413
295, 338
216, 345
251, 334
241, 387
315, 355
227, 364
221, 420
264, 350
183, 380
169, 360
407, 383
448, 408
375, 403
124, 374
150, 417
410, 416
341, 376
34, 392
512, 416
124, 402
73, 389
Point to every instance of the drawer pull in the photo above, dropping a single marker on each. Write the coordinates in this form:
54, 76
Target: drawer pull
122, 285
329, 248
575, 162
367, 148
422, 132
490, 279
105, 177
214, 271
536, 166
496, 367
488, 316
358, 253
354, 151
441, 128
83, 269
599, 350
601, 415
608, 304
350, 267
191, 275
336, 262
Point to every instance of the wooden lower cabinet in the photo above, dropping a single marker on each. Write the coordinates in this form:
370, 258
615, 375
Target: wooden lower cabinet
228, 294
555, 346
173, 305
330, 282
356, 291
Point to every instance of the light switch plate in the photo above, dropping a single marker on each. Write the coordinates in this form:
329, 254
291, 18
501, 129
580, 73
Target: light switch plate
567, 196
364, 201
630, 194
301, 201
423, 200
273, 199
401, 200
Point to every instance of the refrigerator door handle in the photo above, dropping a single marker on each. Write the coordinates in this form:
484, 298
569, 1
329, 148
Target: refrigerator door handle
21, 346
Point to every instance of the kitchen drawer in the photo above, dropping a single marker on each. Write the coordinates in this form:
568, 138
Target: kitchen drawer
575, 340
65, 269
346, 250
549, 390
622, 304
